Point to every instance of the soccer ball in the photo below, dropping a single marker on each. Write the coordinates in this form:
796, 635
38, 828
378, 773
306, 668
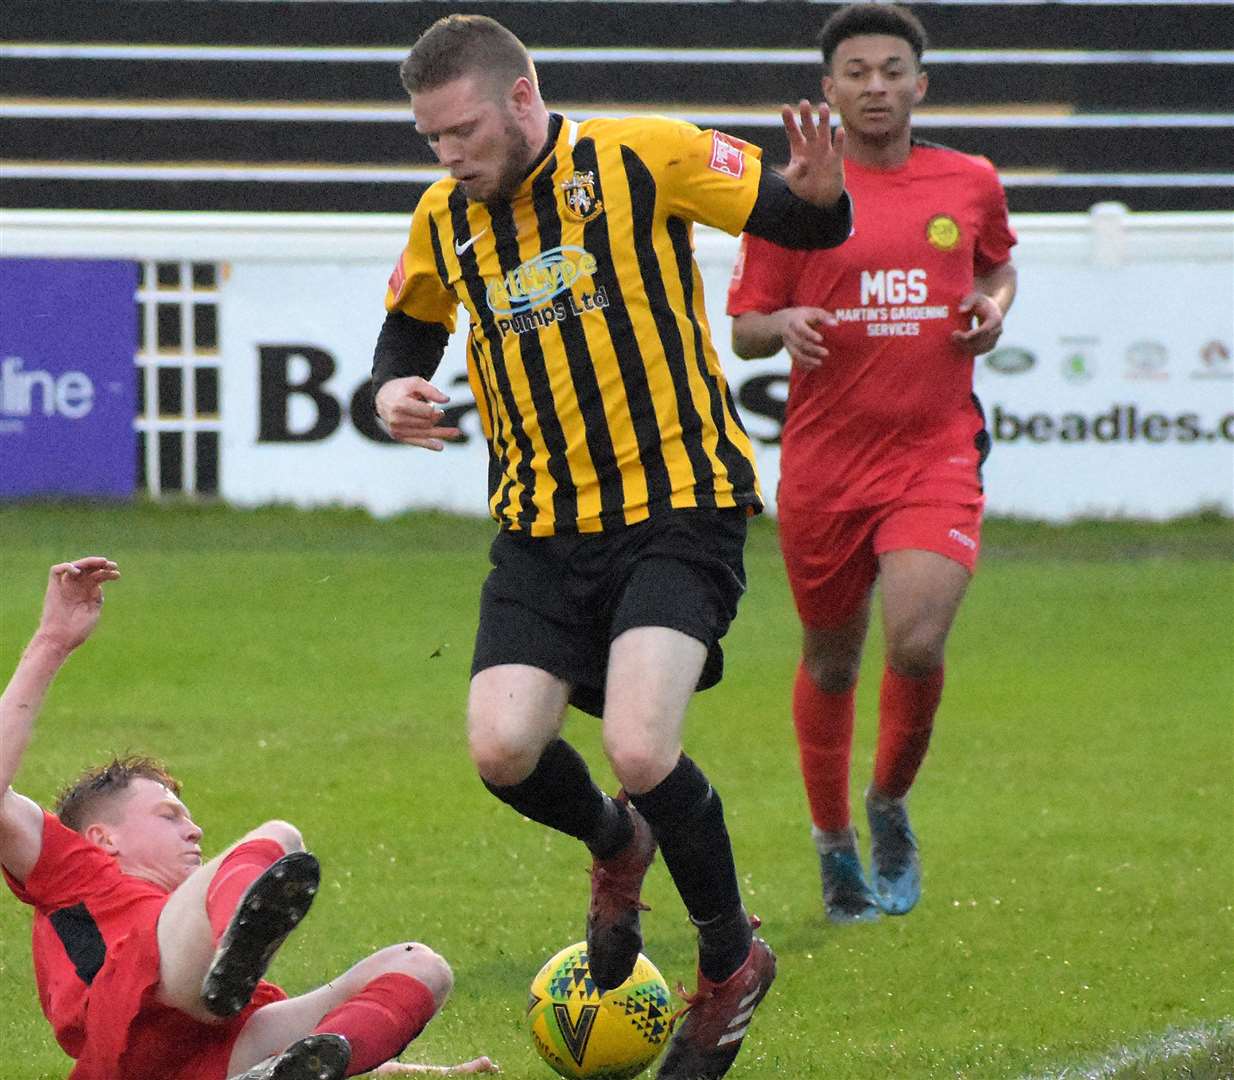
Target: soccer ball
586, 1035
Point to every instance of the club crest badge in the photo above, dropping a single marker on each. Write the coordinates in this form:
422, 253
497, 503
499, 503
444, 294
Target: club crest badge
943, 232
579, 192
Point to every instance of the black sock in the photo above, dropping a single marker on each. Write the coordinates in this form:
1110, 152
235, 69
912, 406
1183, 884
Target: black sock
614, 831
560, 793
724, 943
687, 818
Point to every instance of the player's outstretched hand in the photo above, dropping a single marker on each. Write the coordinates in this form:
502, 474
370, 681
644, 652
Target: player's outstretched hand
409, 409
74, 600
987, 325
815, 169
467, 1068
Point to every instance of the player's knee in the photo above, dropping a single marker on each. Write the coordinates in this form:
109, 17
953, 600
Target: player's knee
501, 761
423, 964
832, 678
281, 832
832, 667
640, 766
916, 654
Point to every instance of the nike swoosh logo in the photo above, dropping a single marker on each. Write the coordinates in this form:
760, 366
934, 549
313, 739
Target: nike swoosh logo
460, 248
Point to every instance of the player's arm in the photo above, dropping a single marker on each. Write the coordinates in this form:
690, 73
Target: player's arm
990, 300
756, 335
999, 285
795, 329
467, 1068
421, 311
71, 608
407, 355
806, 207
767, 314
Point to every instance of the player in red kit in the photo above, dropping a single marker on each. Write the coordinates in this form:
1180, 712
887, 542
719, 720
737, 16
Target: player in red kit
148, 960
883, 438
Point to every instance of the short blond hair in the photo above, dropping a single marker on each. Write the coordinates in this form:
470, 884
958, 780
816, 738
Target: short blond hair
84, 800
459, 45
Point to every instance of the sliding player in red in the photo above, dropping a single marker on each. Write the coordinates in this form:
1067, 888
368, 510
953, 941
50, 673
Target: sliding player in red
149, 962
884, 439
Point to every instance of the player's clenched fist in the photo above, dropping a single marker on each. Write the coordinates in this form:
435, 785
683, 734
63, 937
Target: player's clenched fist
409, 410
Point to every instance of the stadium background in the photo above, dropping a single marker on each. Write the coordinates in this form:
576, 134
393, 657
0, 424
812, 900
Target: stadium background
1078, 807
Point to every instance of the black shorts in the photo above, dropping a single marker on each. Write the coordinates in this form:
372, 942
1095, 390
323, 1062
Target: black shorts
558, 602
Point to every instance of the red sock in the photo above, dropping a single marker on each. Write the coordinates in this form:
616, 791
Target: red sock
906, 709
824, 724
381, 1020
244, 865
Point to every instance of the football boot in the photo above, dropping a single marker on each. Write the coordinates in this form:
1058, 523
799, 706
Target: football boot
716, 1018
895, 868
316, 1057
614, 934
847, 897
270, 909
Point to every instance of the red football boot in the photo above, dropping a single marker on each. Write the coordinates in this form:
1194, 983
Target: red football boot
717, 1016
614, 937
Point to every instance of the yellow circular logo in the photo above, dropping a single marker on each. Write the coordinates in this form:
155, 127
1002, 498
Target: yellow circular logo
943, 232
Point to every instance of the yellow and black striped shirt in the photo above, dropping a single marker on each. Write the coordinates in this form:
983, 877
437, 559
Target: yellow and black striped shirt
589, 353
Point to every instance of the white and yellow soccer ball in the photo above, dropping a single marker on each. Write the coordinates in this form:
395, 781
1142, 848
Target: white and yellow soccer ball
586, 1035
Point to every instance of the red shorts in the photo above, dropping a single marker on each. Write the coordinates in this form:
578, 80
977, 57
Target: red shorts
832, 556
131, 1036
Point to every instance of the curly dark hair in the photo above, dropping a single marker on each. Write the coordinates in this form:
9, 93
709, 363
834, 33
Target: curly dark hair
458, 45
858, 19
79, 802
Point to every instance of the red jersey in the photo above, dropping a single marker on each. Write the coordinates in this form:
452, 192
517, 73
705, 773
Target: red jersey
84, 906
894, 393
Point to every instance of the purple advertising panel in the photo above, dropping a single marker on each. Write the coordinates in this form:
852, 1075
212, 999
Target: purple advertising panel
68, 388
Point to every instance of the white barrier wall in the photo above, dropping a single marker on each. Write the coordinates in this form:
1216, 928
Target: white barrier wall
1112, 391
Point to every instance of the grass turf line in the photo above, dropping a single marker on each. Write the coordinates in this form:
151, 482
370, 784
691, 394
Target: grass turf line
1202, 1053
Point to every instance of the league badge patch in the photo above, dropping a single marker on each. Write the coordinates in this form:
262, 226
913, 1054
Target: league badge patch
579, 192
726, 155
943, 232
397, 276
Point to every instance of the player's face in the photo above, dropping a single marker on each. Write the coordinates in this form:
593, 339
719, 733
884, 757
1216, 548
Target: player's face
475, 134
874, 84
152, 835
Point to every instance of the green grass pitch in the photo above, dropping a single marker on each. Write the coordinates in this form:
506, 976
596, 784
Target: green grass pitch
1075, 812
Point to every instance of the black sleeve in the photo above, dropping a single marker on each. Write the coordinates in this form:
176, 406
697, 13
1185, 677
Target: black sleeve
784, 219
407, 346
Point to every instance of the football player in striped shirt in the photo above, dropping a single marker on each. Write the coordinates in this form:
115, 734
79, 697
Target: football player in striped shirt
620, 477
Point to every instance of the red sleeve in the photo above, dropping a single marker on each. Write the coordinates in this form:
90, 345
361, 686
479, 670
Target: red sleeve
69, 869
997, 238
763, 277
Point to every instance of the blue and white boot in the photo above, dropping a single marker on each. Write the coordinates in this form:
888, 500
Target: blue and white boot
847, 897
894, 863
